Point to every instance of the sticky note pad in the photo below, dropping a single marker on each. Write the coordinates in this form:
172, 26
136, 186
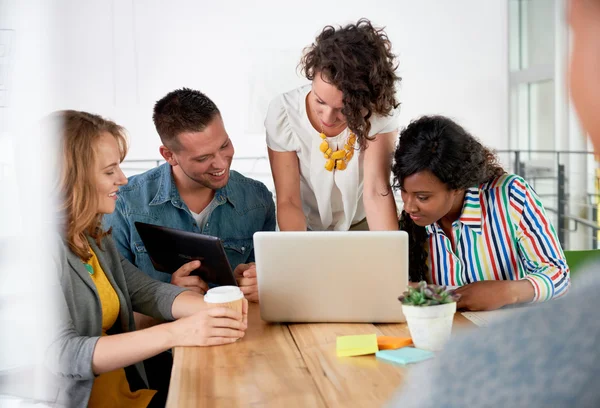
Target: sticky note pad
405, 355
360, 345
390, 343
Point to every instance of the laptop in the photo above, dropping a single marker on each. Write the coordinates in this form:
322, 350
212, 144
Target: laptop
353, 276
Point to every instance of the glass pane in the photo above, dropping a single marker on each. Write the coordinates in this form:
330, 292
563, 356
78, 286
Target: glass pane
541, 115
519, 113
532, 117
514, 35
537, 32
530, 33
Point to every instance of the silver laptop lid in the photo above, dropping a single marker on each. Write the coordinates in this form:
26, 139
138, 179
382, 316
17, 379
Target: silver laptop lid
353, 276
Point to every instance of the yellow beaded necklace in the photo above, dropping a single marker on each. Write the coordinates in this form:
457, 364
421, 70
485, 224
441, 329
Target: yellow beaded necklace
339, 159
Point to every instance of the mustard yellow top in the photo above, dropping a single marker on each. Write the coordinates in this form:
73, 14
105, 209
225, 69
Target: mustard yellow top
112, 389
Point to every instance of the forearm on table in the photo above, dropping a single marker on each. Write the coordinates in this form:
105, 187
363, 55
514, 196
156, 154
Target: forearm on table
290, 216
520, 291
122, 350
186, 304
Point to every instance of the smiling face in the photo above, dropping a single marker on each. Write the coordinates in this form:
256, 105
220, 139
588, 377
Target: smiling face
108, 174
327, 102
202, 159
426, 199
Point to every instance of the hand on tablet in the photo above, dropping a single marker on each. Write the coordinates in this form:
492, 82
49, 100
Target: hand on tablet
182, 278
245, 274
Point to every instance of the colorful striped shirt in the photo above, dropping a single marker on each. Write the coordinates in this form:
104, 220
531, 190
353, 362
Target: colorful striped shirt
503, 233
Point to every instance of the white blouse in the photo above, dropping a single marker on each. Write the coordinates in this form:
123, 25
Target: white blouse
331, 200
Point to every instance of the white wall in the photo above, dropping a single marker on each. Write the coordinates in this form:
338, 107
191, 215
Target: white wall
119, 57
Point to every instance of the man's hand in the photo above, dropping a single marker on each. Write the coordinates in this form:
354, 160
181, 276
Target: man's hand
491, 295
245, 274
182, 278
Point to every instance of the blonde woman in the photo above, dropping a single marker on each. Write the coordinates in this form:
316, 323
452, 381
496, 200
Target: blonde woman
96, 343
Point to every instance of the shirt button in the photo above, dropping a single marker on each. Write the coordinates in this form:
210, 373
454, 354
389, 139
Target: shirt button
243, 248
207, 224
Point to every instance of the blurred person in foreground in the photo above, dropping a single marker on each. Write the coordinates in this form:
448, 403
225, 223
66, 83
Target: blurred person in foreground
548, 356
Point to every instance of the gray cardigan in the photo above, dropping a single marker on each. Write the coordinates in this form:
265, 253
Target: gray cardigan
72, 345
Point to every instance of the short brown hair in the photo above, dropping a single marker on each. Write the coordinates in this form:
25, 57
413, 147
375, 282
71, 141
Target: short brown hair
182, 110
79, 132
358, 60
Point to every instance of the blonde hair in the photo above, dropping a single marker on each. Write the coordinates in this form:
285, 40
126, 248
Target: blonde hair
78, 205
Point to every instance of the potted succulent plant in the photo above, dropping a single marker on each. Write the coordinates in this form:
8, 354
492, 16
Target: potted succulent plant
429, 312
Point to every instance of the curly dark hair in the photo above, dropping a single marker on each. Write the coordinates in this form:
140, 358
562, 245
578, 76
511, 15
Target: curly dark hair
453, 155
182, 110
358, 60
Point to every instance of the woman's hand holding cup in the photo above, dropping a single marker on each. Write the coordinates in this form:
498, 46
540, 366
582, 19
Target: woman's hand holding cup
224, 320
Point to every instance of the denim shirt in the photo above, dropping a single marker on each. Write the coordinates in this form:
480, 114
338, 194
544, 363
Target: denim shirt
244, 206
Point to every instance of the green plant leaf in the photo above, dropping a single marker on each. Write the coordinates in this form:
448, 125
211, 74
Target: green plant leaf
427, 295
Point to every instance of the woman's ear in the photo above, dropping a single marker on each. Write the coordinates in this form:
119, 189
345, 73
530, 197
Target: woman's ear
458, 192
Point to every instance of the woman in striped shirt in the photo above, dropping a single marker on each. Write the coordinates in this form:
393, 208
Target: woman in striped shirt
470, 223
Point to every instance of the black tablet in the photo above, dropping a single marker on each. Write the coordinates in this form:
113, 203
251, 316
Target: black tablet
170, 248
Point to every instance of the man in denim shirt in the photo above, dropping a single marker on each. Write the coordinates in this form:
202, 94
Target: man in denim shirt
194, 191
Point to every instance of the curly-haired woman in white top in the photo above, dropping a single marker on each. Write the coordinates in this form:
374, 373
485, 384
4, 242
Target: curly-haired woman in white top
331, 142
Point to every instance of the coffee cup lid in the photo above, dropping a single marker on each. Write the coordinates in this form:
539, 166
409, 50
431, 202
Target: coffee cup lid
223, 294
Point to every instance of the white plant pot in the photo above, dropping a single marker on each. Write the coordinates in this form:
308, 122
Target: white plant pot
430, 326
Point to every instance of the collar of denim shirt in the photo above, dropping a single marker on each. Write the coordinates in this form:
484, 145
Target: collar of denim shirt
167, 191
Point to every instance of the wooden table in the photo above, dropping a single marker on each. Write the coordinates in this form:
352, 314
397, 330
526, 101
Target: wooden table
279, 365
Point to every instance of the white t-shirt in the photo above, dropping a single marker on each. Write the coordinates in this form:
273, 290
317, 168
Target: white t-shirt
203, 216
331, 200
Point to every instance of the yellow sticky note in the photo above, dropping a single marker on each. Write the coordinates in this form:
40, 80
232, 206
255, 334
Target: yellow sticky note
359, 345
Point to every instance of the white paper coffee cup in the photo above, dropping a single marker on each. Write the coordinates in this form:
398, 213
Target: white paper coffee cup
225, 296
